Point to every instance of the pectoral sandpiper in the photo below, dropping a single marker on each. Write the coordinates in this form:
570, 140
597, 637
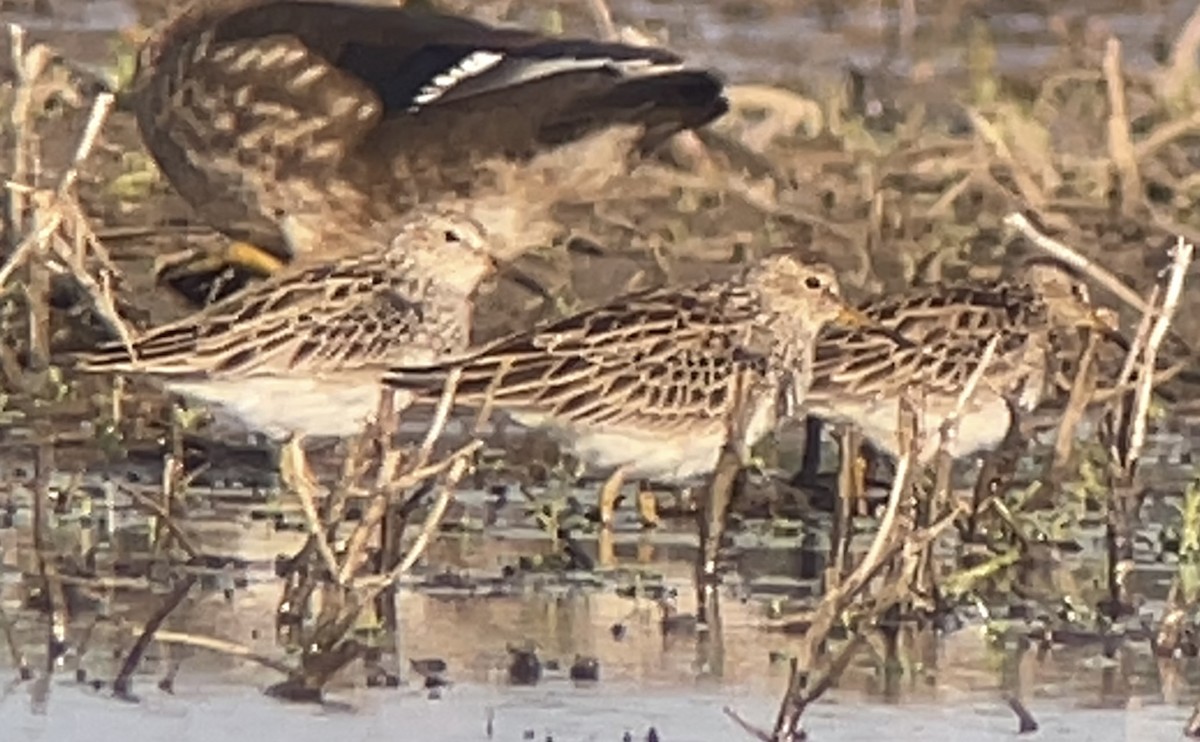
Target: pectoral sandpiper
282, 120
645, 386
860, 373
304, 352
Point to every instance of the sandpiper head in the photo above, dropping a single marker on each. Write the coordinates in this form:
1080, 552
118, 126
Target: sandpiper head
1066, 294
447, 243
807, 293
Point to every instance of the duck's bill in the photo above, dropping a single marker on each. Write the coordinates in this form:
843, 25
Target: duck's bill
854, 317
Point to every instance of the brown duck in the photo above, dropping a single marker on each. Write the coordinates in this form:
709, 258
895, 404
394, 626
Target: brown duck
283, 121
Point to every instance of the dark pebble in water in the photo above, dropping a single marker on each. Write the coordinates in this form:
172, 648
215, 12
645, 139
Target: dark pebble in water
436, 681
97, 685
553, 665
585, 668
628, 737
26, 673
380, 679
81, 675
524, 667
428, 666
528, 734
167, 685
618, 631
652, 735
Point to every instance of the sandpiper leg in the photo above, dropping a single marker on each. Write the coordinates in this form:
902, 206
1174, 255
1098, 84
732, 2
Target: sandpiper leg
647, 506
294, 469
853, 471
609, 494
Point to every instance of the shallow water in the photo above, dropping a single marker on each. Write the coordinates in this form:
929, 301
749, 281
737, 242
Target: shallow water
222, 711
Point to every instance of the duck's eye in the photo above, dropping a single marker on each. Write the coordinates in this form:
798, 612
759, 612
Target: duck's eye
812, 282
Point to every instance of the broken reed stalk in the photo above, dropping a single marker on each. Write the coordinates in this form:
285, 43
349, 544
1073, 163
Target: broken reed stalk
1120, 141
1181, 259
889, 540
58, 211
123, 681
316, 528
29, 69
433, 518
836, 600
1082, 388
1126, 430
391, 480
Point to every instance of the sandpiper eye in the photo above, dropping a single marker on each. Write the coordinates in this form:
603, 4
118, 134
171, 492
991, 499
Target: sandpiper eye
451, 236
812, 282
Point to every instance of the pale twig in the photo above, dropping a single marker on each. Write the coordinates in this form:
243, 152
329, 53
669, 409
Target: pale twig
432, 519
222, 646
317, 532
1070, 257
1181, 259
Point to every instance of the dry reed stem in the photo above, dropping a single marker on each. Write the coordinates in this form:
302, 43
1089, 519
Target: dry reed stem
1073, 258
124, 677
1120, 141
418, 470
433, 518
1181, 259
884, 546
58, 209
316, 532
1181, 64
222, 646
1031, 192
836, 599
156, 508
